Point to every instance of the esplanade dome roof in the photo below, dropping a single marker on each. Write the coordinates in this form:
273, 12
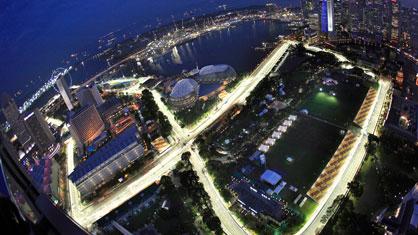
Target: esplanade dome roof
219, 68
184, 87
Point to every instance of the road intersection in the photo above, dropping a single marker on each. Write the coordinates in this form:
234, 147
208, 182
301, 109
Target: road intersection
87, 214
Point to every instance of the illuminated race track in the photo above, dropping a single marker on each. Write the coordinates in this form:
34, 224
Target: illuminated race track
86, 215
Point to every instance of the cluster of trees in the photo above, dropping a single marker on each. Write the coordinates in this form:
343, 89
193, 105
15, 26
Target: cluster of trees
220, 172
177, 219
150, 111
325, 58
348, 221
394, 161
194, 189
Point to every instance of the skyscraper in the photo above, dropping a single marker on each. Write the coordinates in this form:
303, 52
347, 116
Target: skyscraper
327, 16
17, 125
85, 126
310, 13
39, 130
89, 95
330, 15
394, 35
307, 7
65, 92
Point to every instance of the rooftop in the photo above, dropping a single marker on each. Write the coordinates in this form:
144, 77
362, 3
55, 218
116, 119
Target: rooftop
270, 177
184, 87
256, 201
117, 144
209, 69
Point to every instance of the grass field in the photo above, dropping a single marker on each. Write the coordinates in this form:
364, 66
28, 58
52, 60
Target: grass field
339, 109
311, 144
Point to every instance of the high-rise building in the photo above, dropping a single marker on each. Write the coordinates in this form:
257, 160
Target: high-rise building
330, 15
394, 34
89, 95
337, 10
85, 126
308, 7
310, 14
327, 16
65, 92
39, 130
313, 21
17, 125
408, 30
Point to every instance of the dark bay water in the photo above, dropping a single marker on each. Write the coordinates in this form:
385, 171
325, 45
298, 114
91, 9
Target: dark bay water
38, 36
234, 46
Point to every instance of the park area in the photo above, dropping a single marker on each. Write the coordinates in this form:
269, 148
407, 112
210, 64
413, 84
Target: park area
291, 124
303, 151
337, 104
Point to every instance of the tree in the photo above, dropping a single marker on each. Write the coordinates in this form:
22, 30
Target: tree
186, 156
355, 188
300, 49
212, 221
371, 148
168, 186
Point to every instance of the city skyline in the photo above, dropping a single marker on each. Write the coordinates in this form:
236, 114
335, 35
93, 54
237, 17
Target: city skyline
218, 118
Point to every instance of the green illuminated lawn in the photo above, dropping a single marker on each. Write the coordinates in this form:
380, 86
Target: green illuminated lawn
339, 109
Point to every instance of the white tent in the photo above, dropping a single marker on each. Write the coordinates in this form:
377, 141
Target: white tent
263, 148
276, 135
287, 123
270, 141
282, 129
292, 117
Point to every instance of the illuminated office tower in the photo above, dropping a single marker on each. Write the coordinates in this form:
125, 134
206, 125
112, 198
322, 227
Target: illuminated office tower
408, 30
17, 125
327, 16
85, 126
337, 14
39, 130
89, 95
394, 35
308, 7
310, 14
330, 15
65, 92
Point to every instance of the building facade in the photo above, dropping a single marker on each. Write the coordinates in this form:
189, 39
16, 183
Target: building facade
184, 94
39, 130
85, 126
65, 92
89, 95
108, 161
16, 122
